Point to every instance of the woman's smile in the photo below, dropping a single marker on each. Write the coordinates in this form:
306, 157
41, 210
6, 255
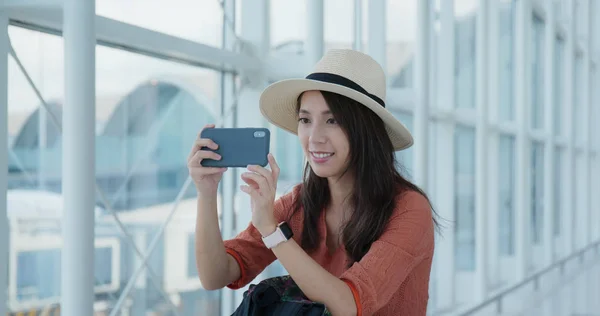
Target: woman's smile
320, 156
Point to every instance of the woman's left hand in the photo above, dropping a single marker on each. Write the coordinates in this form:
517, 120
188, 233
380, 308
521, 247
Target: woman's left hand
262, 187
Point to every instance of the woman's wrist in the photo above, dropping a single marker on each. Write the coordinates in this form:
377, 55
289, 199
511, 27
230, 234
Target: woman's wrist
206, 195
267, 228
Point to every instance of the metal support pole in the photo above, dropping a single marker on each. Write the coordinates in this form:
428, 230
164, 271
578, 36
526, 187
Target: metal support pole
522, 147
315, 43
4, 50
315, 22
377, 46
569, 181
229, 181
358, 42
481, 152
445, 264
549, 148
493, 204
78, 159
587, 112
256, 31
421, 118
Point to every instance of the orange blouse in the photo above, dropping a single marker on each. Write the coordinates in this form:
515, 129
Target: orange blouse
391, 279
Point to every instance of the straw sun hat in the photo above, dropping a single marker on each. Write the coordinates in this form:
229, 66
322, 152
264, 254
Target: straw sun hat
342, 71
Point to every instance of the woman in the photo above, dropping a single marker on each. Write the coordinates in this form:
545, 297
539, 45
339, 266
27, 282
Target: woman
354, 235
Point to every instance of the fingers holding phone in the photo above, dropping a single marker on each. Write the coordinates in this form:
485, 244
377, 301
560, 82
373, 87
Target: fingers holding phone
261, 185
206, 179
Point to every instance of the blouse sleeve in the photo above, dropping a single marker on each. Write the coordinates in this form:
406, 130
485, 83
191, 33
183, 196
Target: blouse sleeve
406, 242
249, 250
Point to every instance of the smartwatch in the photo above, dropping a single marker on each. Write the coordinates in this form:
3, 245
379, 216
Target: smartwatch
281, 234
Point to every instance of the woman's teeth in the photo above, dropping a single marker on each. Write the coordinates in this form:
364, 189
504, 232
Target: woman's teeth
322, 155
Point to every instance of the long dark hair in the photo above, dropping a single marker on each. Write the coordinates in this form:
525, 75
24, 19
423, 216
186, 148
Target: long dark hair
377, 183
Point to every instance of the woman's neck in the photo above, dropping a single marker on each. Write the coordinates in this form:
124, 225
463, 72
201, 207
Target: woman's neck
340, 190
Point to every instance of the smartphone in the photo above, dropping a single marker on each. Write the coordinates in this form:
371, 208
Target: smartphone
238, 147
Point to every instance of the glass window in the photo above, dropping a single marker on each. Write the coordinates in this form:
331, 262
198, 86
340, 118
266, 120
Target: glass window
38, 275
401, 23
34, 164
559, 71
537, 73
200, 21
103, 266
144, 134
537, 192
507, 194
39, 272
405, 157
143, 141
192, 271
580, 213
288, 25
339, 24
465, 12
289, 156
464, 200
148, 113
506, 59
558, 179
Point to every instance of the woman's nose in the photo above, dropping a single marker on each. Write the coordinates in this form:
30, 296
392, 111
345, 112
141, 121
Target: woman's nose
317, 135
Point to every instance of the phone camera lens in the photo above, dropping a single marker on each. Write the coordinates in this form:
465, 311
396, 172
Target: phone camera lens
259, 134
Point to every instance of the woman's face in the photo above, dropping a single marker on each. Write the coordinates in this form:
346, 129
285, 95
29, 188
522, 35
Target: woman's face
324, 142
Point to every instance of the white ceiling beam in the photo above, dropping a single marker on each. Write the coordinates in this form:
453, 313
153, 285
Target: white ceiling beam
137, 39
24, 4
285, 65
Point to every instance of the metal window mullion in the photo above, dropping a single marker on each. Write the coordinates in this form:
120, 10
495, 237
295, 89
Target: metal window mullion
315, 25
77, 256
522, 144
229, 182
422, 100
140, 40
481, 151
568, 196
444, 143
255, 29
376, 45
587, 116
549, 176
358, 23
493, 204
4, 246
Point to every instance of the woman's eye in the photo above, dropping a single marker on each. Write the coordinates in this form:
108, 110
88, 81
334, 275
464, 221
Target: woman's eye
303, 120
331, 121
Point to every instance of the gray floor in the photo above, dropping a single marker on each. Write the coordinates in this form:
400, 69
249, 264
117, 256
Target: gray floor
576, 296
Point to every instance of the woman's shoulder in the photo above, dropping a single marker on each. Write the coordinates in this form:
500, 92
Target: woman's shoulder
414, 206
411, 224
412, 200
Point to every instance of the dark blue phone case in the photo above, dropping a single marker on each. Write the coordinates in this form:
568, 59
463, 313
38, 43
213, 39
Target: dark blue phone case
238, 147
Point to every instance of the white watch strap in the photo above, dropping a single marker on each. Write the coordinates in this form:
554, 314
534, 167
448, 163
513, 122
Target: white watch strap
274, 238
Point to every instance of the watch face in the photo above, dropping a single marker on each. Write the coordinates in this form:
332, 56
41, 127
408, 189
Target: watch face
286, 230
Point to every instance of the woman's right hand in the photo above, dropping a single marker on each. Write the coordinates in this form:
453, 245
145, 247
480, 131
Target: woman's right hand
206, 179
